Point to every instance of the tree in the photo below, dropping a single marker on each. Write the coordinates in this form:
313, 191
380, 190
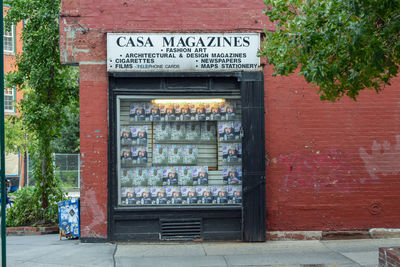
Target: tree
48, 86
342, 46
15, 136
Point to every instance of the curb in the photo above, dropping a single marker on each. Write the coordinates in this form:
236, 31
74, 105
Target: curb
26, 230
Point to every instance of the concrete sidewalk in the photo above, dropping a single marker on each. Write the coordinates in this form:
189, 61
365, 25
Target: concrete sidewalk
48, 250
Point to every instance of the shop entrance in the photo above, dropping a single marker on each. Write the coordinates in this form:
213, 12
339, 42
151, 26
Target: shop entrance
186, 156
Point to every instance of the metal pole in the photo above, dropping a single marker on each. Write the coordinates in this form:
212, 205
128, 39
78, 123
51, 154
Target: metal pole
2, 155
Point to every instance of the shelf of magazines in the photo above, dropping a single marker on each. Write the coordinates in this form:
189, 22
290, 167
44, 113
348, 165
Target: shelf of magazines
183, 110
175, 183
181, 154
181, 141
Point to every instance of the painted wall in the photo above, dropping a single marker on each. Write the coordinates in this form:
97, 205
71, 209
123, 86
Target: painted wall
330, 165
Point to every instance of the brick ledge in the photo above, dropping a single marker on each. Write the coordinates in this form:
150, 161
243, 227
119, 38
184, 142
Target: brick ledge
373, 233
26, 230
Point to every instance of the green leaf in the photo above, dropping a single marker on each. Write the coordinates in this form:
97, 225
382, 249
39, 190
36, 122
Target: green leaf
50, 90
342, 47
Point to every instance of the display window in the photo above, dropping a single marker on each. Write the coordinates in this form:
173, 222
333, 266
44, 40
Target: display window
179, 151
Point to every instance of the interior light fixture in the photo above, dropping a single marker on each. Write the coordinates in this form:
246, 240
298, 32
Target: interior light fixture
188, 100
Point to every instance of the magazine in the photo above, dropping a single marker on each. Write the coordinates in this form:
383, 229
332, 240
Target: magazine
237, 127
170, 113
200, 175
147, 111
128, 196
232, 153
137, 111
200, 113
155, 176
126, 158
144, 196
208, 131
220, 194
155, 113
226, 131
176, 154
139, 135
140, 176
170, 175
205, 195
126, 137
232, 174
191, 154
185, 114
159, 195
193, 131
192, 111
190, 196
215, 114
163, 131
139, 154
235, 194
230, 111
185, 176
163, 111
178, 131
126, 177
160, 154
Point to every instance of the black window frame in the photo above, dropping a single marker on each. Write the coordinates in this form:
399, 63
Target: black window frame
253, 210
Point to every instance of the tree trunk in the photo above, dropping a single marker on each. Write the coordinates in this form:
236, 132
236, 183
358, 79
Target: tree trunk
46, 171
45, 197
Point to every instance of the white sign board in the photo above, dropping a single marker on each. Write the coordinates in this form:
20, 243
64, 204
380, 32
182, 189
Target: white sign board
146, 52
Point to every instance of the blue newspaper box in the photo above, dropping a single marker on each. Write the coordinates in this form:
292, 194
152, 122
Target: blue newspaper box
68, 215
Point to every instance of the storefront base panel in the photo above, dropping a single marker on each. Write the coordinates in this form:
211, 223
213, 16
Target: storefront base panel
179, 224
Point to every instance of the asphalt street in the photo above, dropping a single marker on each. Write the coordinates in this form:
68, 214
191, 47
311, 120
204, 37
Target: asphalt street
50, 251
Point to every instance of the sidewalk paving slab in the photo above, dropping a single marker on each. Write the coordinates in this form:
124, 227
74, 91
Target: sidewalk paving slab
49, 251
359, 245
285, 258
364, 258
173, 261
159, 250
363, 251
235, 248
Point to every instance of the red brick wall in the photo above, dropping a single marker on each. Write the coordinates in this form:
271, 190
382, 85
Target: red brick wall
173, 15
93, 137
331, 165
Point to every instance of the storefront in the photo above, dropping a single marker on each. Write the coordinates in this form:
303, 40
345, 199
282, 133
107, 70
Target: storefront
187, 146
149, 171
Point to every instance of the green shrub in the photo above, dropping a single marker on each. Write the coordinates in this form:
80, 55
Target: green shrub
27, 210
67, 179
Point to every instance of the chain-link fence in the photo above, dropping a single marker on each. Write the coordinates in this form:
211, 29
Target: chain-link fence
66, 170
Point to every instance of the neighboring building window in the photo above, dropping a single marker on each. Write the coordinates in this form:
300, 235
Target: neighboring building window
9, 100
9, 40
